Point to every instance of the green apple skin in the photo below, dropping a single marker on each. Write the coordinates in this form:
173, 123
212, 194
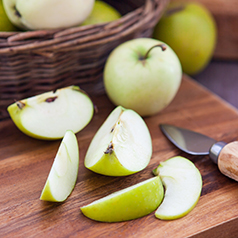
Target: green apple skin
64, 171
47, 14
144, 85
101, 13
130, 203
122, 145
183, 186
191, 32
5, 23
44, 120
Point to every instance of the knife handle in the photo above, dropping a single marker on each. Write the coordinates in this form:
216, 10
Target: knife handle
228, 160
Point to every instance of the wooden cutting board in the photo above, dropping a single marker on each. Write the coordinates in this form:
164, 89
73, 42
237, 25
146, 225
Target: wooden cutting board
26, 162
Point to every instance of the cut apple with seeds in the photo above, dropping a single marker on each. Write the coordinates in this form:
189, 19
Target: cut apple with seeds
130, 203
122, 145
49, 115
64, 171
183, 186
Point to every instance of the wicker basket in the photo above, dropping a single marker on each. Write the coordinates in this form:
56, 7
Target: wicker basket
38, 61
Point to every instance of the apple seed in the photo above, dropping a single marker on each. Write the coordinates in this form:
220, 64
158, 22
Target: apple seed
51, 99
20, 104
109, 149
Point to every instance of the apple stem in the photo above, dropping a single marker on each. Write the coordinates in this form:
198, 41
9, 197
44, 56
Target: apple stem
20, 104
162, 46
174, 10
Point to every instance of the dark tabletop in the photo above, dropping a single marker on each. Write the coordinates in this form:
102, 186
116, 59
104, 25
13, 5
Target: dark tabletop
221, 77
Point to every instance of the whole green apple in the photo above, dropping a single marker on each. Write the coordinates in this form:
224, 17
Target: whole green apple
101, 13
143, 75
5, 23
190, 30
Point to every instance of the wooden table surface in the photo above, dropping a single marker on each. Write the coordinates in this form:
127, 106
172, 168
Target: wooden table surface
25, 163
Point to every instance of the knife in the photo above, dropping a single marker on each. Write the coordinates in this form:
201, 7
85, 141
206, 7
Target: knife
224, 155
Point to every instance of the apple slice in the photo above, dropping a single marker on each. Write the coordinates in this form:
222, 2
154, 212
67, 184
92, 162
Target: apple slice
121, 146
130, 203
64, 171
183, 185
49, 115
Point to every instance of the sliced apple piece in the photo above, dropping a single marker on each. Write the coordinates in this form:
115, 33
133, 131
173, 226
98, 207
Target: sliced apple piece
121, 146
49, 115
130, 203
64, 171
183, 185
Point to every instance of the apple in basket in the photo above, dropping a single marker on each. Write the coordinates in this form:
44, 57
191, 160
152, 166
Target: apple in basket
143, 75
102, 12
47, 14
5, 23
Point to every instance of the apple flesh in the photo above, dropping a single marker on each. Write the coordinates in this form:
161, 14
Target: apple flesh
122, 145
183, 185
49, 115
64, 171
101, 13
47, 14
190, 30
142, 77
130, 203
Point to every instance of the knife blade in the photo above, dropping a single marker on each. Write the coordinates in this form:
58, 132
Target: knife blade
223, 154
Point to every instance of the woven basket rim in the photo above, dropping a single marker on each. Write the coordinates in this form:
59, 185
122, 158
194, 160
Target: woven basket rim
42, 41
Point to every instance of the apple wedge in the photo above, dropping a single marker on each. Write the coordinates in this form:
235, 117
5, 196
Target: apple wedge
64, 171
49, 115
122, 145
183, 185
130, 203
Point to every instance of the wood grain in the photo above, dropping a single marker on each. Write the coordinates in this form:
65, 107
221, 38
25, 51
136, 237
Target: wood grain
228, 160
26, 162
226, 16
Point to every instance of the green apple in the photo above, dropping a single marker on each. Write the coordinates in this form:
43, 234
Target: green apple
143, 75
64, 171
183, 185
122, 145
101, 13
5, 23
130, 203
190, 30
47, 14
49, 115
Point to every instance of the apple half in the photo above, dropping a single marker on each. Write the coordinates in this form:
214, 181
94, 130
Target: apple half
183, 186
64, 171
49, 115
122, 145
130, 203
